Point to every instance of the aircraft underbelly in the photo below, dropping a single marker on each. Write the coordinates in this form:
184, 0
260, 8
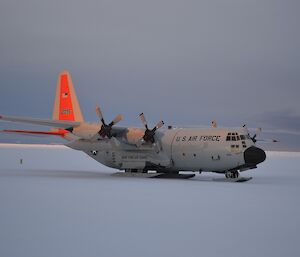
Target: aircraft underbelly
122, 160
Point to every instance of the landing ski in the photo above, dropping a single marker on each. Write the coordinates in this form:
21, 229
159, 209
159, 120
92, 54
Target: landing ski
240, 179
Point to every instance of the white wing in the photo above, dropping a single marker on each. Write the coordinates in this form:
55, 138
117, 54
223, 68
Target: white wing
43, 122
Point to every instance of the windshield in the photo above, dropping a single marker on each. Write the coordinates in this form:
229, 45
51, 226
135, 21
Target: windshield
234, 136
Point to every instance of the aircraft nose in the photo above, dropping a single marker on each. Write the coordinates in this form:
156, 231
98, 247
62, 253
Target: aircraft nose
254, 155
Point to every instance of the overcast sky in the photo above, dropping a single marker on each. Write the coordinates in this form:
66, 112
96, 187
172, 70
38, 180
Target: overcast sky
187, 62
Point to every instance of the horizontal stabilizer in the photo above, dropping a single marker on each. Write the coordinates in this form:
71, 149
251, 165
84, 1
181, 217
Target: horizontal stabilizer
37, 133
43, 122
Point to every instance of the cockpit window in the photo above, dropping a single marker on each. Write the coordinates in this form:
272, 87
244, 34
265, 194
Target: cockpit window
234, 136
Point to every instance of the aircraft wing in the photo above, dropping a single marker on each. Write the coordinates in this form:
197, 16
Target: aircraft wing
43, 122
60, 132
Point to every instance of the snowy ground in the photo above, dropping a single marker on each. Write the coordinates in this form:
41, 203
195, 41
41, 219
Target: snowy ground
58, 202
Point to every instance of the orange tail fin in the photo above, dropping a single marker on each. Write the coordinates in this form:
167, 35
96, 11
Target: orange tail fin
66, 106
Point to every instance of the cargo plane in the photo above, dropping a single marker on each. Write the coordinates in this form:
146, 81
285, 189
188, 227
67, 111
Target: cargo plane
152, 152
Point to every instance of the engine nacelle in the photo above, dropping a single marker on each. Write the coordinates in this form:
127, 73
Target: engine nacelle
86, 131
134, 135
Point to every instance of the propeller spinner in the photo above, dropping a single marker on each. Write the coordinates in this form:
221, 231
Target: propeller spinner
149, 133
106, 129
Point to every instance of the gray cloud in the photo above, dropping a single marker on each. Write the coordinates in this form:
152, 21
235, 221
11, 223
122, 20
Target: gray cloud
187, 62
284, 121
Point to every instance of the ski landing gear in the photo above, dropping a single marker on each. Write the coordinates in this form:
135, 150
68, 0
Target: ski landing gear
232, 174
145, 174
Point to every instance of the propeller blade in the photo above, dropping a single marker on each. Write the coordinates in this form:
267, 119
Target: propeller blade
268, 140
99, 114
116, 120
253, 138
143, 119
258, 131
140, 142
159, 125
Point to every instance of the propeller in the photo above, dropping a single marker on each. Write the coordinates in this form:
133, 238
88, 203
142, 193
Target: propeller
106, 129
149, 133
253, 138
258, 132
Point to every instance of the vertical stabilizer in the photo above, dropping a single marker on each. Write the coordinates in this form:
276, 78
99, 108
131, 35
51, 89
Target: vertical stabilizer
66, 105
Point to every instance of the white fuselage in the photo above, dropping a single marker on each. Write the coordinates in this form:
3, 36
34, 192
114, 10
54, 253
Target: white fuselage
176, 149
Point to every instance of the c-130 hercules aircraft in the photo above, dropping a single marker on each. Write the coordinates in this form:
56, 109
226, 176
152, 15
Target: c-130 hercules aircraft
144, 150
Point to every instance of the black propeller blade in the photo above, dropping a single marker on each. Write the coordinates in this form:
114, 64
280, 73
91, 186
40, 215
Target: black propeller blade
258, 131
253, 138
106, 129
149, 133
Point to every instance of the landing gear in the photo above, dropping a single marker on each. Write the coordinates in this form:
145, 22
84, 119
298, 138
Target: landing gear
232, 174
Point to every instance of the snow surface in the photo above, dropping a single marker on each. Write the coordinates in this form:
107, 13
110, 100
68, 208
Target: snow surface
59, 202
